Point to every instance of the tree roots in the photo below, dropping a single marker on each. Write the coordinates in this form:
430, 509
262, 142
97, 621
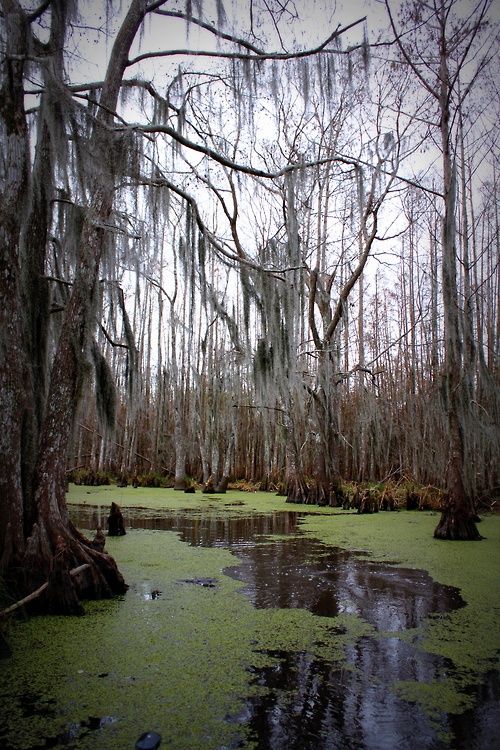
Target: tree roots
456, 526
48, 570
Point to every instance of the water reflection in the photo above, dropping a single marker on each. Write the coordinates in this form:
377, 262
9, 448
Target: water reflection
479, 728
309, 702
301, 572
207, 530
311, 705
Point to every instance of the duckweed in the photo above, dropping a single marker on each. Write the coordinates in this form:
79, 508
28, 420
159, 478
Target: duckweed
470, 636
181, 662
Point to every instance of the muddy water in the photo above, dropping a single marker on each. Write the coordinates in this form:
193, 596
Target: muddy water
309, 702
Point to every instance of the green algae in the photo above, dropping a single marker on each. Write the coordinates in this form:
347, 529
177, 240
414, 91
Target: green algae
177, 663
234, 501
181, 663
470, 636
174, 663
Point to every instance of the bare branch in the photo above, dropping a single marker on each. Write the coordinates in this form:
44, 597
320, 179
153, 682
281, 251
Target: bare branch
259, 56
224, 161
38, 11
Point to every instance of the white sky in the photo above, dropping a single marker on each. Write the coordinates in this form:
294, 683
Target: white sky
90, 46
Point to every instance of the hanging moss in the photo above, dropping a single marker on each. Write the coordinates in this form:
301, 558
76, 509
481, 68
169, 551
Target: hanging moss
263, 363
105, 389
131, 372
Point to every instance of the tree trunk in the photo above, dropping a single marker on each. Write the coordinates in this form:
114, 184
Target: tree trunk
457, 519
53, 527
323, 489
27, 555
14, 372
223, 482
296, 486
180, 482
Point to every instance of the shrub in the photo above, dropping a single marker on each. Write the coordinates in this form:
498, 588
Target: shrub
152, 479
89, 477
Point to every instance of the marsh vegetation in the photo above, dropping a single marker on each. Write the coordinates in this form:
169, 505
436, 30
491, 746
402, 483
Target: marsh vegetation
250, 625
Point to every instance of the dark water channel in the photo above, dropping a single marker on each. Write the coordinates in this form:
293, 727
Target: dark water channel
310, 703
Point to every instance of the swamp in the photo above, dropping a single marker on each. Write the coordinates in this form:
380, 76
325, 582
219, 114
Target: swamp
249, 327
252, 623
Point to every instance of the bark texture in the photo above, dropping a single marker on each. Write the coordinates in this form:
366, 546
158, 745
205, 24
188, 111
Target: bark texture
457, 520
38, 541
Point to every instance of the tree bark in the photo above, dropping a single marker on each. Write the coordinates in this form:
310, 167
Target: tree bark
457, 519
296, 486
28, 553
14, 371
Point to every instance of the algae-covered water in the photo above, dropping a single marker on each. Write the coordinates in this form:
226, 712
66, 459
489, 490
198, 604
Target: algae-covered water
250, 623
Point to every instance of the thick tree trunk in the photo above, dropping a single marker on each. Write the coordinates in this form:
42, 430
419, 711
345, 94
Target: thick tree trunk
457, 520
223, 481
14, 372
14, 407
324, 489
53, 527
29, 554
458, 516
296, 486
180, 481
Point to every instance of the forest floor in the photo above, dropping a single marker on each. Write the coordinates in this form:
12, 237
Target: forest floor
253, 623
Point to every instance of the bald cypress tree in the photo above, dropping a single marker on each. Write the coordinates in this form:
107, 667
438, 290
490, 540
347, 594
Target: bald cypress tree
443, 41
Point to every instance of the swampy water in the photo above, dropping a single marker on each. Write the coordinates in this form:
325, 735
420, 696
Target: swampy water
308, 702
327, 662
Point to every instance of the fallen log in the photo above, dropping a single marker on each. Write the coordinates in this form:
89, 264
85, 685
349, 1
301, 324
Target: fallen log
37, 592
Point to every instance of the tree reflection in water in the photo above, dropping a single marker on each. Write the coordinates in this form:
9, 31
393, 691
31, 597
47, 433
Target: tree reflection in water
310, 705
301, 572
309, 702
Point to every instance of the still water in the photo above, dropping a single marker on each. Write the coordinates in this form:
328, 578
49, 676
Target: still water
310, 703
